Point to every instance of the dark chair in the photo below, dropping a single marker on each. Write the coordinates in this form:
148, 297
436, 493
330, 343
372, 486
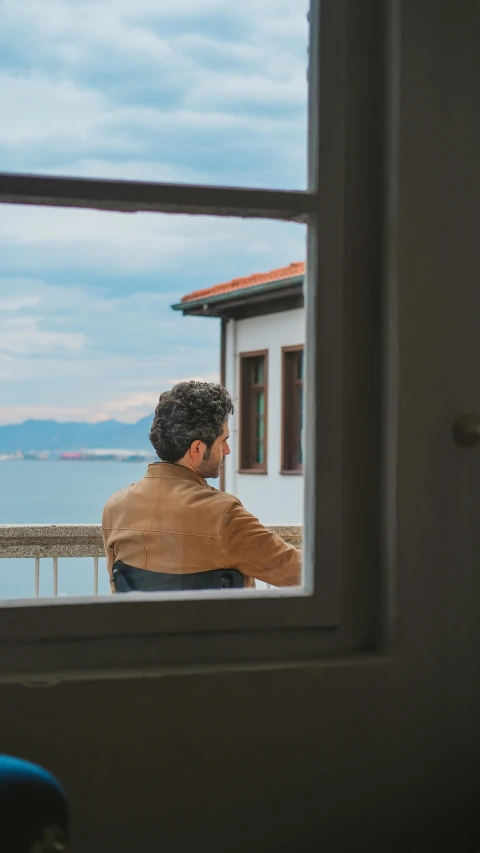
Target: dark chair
130, 579
33, 808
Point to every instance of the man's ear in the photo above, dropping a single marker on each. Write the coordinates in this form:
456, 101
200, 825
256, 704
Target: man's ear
195, 448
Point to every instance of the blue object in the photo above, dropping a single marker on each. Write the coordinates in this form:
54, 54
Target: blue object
33, 809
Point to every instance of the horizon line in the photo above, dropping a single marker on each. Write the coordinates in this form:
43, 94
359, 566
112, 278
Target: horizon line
90, 423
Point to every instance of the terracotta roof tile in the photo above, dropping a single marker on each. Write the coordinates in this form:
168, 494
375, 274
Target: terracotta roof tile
292, 271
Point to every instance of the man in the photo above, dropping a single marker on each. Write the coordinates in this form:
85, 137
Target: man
171, 526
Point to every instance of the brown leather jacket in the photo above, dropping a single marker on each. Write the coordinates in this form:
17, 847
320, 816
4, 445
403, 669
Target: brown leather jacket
172, 521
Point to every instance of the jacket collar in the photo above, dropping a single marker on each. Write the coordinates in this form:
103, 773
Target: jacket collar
171, 470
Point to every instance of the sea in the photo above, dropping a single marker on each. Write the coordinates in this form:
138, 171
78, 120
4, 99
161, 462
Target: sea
57, 492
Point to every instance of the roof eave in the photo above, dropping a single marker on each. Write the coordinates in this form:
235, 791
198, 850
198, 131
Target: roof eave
204, 305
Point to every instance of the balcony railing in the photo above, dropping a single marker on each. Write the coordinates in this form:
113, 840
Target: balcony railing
49, 542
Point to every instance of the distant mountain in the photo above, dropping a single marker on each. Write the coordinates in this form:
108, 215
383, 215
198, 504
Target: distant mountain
53, 435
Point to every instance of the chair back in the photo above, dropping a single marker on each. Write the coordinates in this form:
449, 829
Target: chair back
130, 579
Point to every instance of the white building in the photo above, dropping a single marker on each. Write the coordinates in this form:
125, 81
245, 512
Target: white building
261, 364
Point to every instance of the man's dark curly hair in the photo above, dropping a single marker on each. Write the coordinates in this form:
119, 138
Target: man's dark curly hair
191, 411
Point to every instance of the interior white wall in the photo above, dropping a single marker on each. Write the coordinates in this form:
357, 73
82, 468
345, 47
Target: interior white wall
274, 497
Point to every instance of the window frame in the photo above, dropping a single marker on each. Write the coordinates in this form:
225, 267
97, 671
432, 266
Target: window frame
287, 427
246, 439
343, 208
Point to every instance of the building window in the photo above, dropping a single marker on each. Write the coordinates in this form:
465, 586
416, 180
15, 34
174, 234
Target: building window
253, 411
292, 410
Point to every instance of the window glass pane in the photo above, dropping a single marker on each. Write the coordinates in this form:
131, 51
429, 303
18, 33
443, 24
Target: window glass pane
259, 432
299, 365
260, 457
197, 92
259, 370
260, 400
89, 340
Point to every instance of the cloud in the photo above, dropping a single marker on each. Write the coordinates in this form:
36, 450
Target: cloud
202, 93
19, 413
141, 403
171, 84
100, 355
128, 409
23, 335
98, 325
130, 170
96, 244
41, 109
15, 303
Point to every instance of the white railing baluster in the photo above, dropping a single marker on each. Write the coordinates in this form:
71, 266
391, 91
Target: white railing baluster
37, 577
95, 575
55, 576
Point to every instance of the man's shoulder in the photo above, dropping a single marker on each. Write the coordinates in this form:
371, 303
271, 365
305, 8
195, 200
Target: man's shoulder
117, 497
223, 498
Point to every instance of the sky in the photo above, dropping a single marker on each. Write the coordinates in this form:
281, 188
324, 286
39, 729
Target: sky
210, 92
